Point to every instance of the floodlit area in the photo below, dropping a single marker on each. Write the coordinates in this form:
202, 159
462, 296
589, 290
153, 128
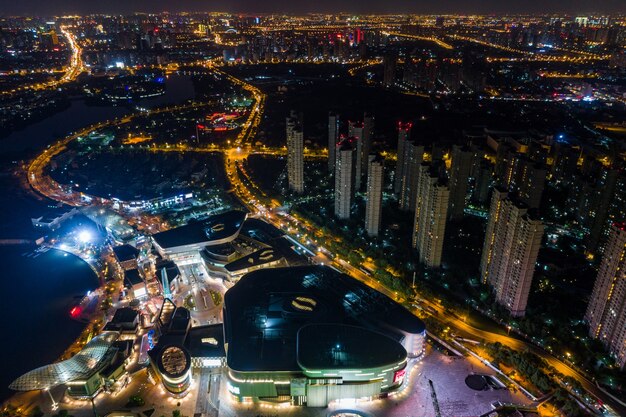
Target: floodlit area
209, 395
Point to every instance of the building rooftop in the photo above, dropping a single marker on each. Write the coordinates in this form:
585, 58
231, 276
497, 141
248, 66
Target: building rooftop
337, 346
260, 231
206, 341
81, 365
124, 315
266, 309
132, 277
171, 270
215, 230
260, 257
125, 252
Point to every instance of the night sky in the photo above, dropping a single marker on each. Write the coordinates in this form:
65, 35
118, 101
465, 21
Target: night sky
48, 7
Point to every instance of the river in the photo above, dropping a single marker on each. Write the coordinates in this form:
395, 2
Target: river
178, 88
39, 290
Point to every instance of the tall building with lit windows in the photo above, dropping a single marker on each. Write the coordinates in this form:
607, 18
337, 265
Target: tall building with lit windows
356, 130
606, 312
404, 135
431, 207
374, 203
344, 177
368, 132
295, 153
461, 165
412, 157
333, 139
389, 69
510, 250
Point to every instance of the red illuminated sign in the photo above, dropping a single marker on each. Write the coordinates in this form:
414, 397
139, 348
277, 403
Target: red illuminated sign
398, 377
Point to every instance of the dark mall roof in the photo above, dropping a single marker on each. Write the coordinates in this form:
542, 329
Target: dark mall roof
264, 311
260, 231
206, 341
180, 321
215, 230
125, 252
124, 316
171, 270
260, 257
132, 277
226, 249
337, 346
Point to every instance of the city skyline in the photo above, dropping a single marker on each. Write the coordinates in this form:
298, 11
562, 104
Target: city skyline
335, 214
64, 7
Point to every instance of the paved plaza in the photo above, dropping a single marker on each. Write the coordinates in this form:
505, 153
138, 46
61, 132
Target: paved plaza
209, 396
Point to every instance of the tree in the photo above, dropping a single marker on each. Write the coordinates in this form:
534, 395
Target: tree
135, 401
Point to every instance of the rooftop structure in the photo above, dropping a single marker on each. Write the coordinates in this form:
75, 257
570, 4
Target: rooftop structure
216, 230
305, 323
81, 365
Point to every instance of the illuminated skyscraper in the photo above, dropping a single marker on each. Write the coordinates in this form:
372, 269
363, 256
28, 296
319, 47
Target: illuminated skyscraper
356, 130
431, 207
529, 181
389, 70
606, 312
344, 177
374, 204
459, 178
412, 156
333, 139
510, 251
404, 135
368, 131
295, 153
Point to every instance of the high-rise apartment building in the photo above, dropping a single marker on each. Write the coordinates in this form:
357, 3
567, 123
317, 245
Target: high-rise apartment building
510, 251
368, 131
374, 202
529, 181
431, 207
389, 70
333, 139
606, 312
295, 153
412, 157
404, 135
461, 165
344, 177
356, 130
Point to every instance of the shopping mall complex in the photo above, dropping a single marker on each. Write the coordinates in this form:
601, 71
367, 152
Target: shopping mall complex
274, 326
310, 335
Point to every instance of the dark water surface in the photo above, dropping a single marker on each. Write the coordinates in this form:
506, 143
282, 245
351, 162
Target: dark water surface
39, 290
178, 89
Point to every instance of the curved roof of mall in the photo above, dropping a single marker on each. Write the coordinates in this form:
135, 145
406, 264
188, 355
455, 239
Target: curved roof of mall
313, 317
215, 230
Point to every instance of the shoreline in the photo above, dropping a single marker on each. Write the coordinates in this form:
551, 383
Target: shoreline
91, 326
